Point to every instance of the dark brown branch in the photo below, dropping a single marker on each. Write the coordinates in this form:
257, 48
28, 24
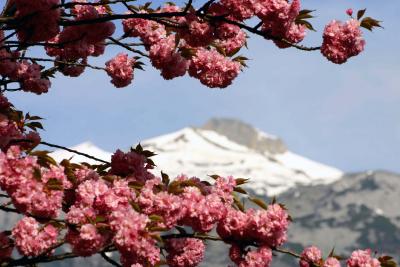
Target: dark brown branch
60, 62
115, 41
109, 260
288, 252
185, 235
74, 151
26, 261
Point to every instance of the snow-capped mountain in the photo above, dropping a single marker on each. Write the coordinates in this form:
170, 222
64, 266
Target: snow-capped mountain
228, 147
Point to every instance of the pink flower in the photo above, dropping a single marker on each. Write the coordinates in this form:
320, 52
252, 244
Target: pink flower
349, 12
230, 38
4, 103
235, 254
262, 257
233, 226
239, 9
87, 241
72, 70
117, 197
331, 262
342, 41
33, 240
196, 33
80, 214
184, 252
6, 246
120, 69
164, 57
202, 212
213, 69
8, 132
269, 226
310, 255
362, 258
131, 237
7, 66
163, 204
130, 164
42, 24
89, 190
279, 18
150, 32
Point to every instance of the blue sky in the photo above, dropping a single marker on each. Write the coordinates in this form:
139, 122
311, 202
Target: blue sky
347, 116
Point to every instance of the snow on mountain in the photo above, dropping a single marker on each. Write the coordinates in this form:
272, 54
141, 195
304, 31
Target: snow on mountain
199, 152
227, 147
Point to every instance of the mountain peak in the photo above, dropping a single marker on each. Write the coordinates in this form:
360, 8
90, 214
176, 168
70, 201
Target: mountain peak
245, 134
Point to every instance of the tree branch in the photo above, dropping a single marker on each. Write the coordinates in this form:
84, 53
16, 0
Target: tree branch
73, 151
109, 260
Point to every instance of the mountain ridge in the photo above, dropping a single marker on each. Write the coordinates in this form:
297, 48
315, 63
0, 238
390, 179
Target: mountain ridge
201, 151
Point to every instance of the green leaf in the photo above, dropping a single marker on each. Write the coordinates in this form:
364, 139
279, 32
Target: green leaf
240, 190
214, 176
259, 202
54, 184
361, 13
100, 219
240, 181
305, 23
370, 23
43, 158
238, 204
37, 174
242, 60
34, 125
156, 218
305, 14
165, 178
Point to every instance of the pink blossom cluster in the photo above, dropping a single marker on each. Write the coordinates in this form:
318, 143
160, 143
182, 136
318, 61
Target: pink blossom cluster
11, 131
279, 21
128, 207
265, 227
331, 262
230, 38
77, 43
342, 41
6, 246
184, 252
261, 257
163, 56
32, 239
28, 75
187, 49
120, 69
362, 258
213, 69
39, 19
311, 256
34, 190
167, 206
131, 165
278, 17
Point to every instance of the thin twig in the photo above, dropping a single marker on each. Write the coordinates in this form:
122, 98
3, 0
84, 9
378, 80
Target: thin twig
127, 47
288, 252
109, 260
